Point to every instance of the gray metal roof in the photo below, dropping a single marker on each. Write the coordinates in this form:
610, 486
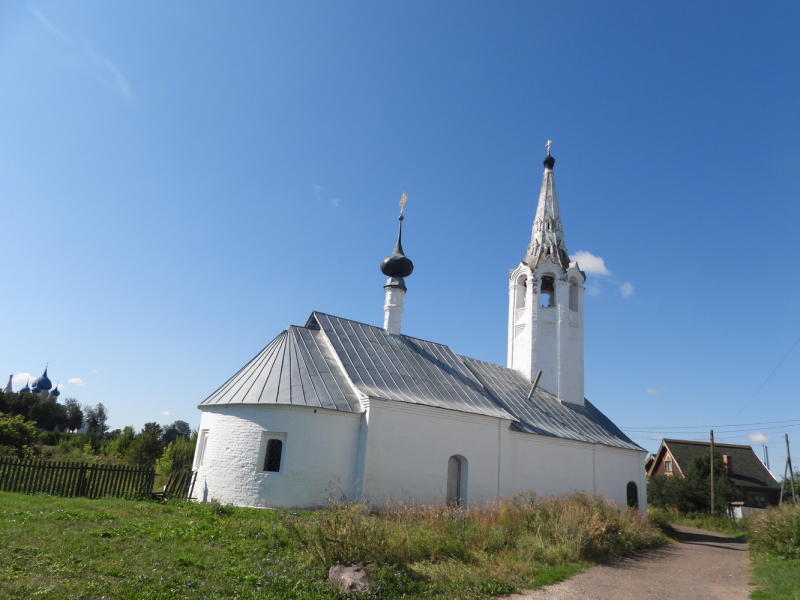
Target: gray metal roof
297, 367
544, 414
303, 366
405, 369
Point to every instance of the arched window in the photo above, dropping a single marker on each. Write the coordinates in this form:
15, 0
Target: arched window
521, 293
456, 480
633, 495
573, 294
548, 295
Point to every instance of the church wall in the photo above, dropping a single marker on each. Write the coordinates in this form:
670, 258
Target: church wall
409, 446
615, 468
318, 448
548, 466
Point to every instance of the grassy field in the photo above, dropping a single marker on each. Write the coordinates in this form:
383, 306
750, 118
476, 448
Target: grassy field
115, 549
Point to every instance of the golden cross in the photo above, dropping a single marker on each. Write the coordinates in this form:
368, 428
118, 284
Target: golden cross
403, 202
548, 147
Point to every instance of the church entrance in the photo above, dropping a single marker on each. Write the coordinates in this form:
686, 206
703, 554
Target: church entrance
633, 495
456, 483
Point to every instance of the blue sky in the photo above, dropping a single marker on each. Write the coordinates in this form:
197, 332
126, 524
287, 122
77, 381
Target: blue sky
183, 180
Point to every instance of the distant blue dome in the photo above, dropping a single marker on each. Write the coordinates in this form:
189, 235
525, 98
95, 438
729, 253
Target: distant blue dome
25, 389
42, 384
55, 392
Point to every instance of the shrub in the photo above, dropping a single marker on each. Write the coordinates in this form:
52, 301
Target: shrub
178, 456
17, 433
777, 532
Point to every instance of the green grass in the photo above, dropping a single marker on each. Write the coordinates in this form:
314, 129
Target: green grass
59, 548
723, 524
774, 542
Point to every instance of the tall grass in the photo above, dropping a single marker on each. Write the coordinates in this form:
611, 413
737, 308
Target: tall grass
774, 541
549, 531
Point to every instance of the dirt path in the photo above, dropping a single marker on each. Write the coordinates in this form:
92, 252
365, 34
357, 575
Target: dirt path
703, 565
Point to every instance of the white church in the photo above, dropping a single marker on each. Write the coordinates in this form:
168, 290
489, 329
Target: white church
372, 414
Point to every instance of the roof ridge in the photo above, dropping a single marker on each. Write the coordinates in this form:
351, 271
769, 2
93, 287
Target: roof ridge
707, 443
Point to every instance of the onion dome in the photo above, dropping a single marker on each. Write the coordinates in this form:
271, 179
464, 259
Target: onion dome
55, 392
42, 384
397, 264
548, 161
25, 389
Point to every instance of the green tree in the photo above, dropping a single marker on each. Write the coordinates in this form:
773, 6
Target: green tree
74, 414
147, 447
17, 433
96, 417
178, 455
697, 492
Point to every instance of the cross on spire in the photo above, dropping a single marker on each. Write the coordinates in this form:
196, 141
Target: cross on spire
548, 146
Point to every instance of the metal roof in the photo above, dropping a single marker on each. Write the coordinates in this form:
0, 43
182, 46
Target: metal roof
297, 367
329, 361
405, 369
543, 413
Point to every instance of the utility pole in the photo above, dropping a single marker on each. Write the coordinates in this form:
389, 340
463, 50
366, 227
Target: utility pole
788, 468
712, 471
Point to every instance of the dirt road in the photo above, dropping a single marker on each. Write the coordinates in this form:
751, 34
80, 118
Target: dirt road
704, 565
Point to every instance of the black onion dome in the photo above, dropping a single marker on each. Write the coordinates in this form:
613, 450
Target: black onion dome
42, 384
397, 264
549, 161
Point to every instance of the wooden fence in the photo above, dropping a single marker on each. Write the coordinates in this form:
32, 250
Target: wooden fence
74, 479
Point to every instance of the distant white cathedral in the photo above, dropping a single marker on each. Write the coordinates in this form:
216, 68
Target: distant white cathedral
383, 415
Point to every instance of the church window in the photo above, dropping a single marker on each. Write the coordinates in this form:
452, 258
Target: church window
521, 294
633, 495
272, 452
272, 458
573, 295
548, 295
200, 451
456, 480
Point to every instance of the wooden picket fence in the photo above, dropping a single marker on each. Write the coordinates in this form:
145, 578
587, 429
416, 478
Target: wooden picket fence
74, 479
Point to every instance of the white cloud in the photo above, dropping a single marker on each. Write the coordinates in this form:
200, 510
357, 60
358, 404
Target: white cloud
95, 371
335, 202
317, 188
22, 378
626, 289
166, 413
77, 381
759, 438
655, 390
590, 263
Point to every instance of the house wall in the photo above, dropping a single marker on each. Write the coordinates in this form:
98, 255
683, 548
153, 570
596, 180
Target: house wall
320, 447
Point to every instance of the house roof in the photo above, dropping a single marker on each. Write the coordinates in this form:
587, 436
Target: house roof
330, 359
746, 470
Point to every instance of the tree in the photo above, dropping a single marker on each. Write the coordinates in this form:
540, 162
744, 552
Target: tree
17, 433
96, 417
698, 485
178, 455
74, 414
147, 447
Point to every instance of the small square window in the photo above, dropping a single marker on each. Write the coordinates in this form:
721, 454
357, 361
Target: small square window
272, 458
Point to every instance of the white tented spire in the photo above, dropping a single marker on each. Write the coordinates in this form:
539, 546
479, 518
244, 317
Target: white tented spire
547, 237
8, 385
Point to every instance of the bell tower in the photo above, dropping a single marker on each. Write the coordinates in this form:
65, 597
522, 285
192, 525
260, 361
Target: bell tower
545, 303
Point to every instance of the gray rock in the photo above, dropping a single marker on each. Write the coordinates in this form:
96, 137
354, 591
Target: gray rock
350, 580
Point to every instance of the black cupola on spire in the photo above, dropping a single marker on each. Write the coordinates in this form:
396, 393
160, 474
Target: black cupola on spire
549, 161
397, 264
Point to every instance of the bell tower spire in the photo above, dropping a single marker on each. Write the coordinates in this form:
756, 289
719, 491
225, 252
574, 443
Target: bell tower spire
397, 266
545, 313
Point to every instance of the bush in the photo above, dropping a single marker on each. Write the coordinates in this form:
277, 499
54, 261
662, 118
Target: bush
777, 532
178, 456
17, 433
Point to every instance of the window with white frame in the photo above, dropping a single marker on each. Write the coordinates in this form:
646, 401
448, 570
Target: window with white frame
200, 451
